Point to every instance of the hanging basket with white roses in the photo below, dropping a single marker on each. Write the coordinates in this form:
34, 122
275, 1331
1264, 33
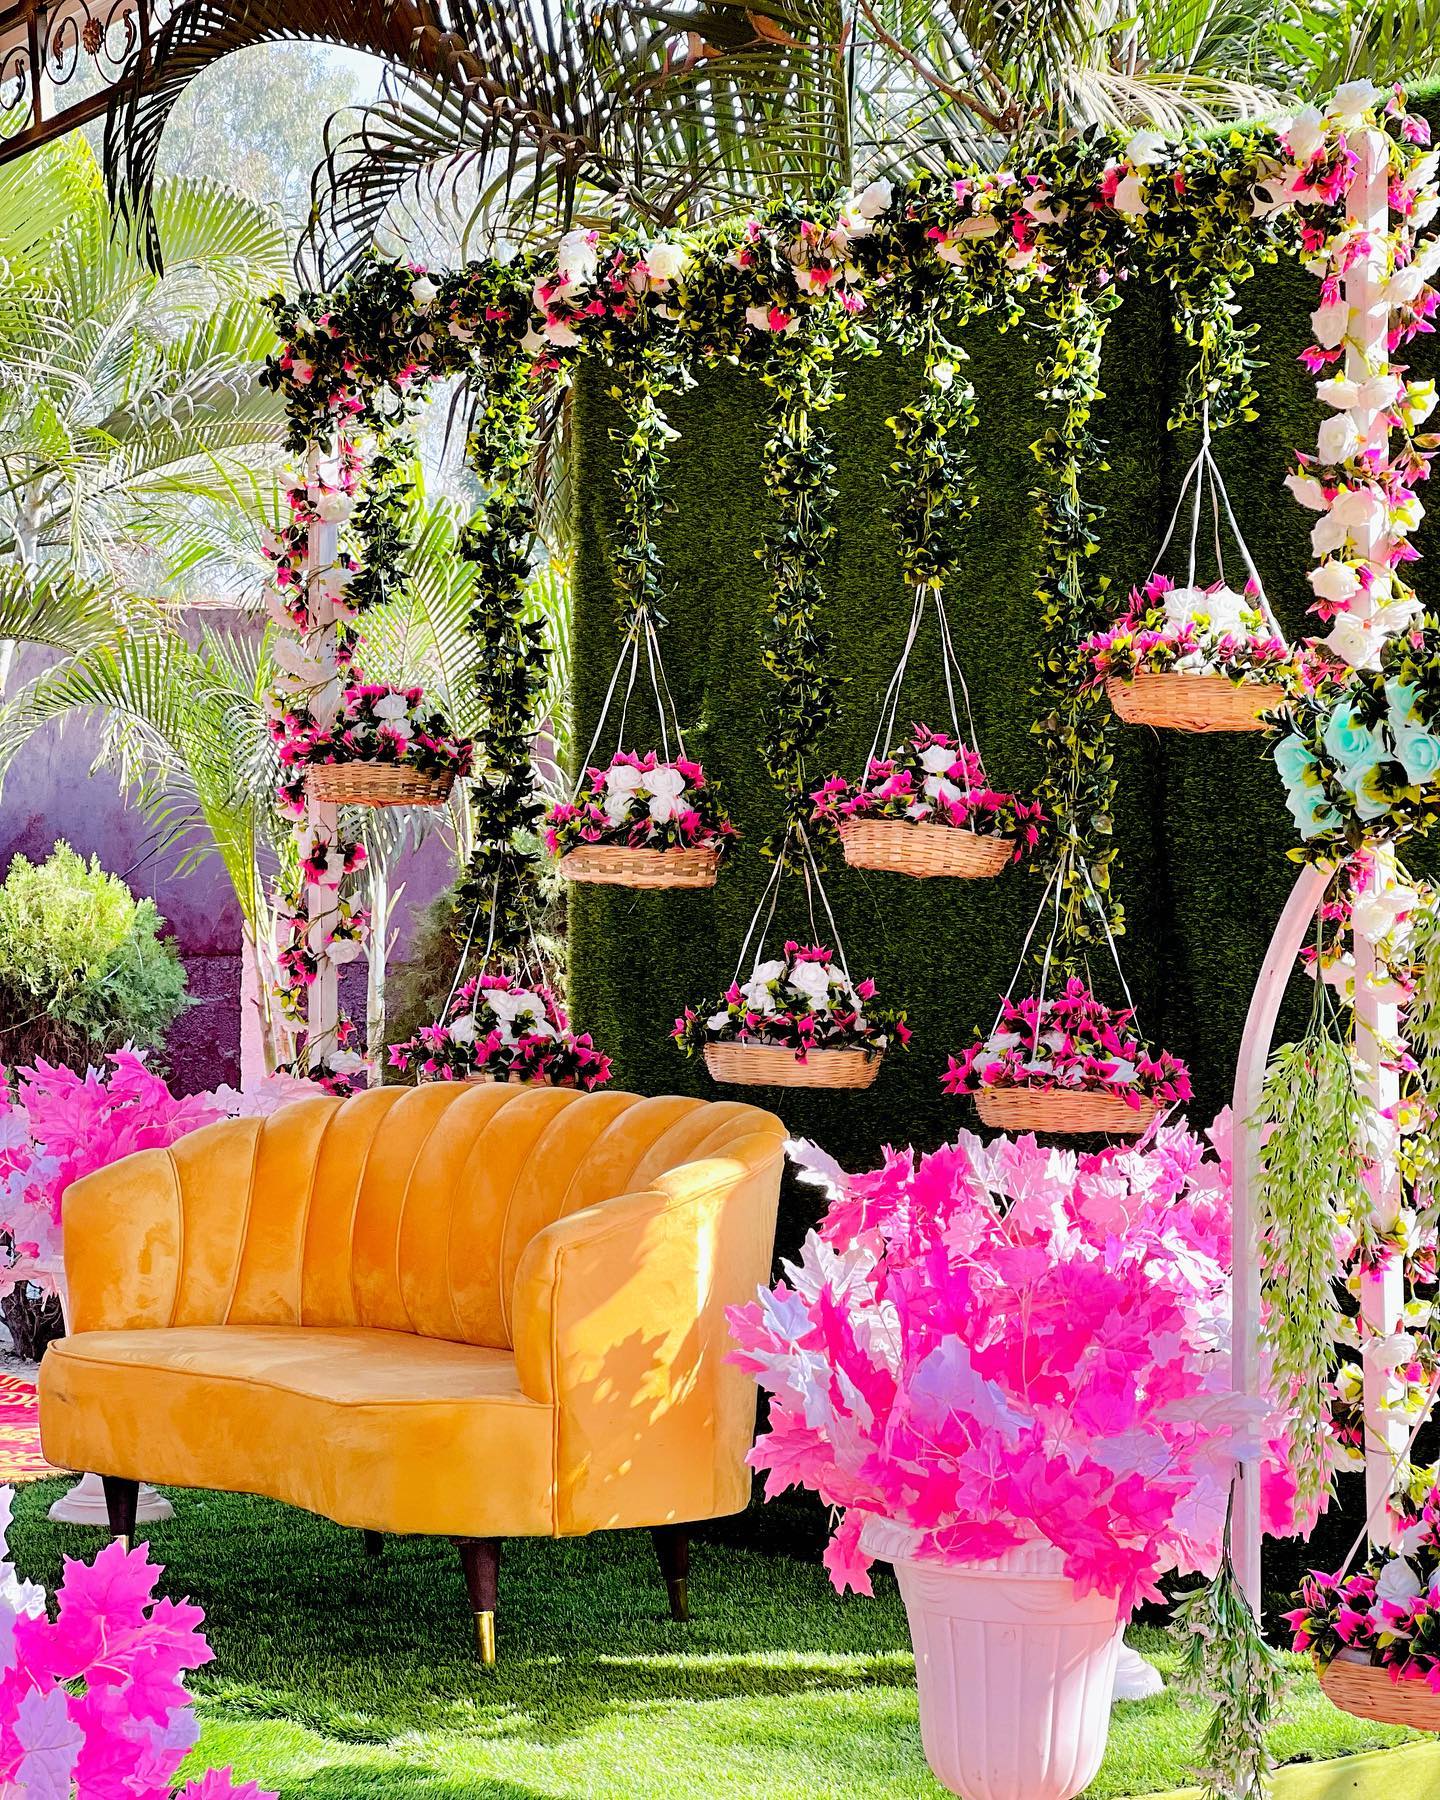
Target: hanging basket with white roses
643, 822
501, 1028
799, 1021
382, 748
1188, 656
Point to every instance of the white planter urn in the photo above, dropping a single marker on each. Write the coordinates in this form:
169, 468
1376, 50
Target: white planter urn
1015, 1669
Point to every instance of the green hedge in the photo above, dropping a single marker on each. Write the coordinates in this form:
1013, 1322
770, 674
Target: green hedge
1200, 820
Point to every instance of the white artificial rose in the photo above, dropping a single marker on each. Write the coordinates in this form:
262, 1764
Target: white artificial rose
1307, 490
1350, 102
1330, 323
345, 1062
1144, 147
1334, 582
342, 951
1129, 194
667, 793
1359, 509
1380, 391
767, 971
1339, 391
758, 997
577, 256
1338, 438
936, 760
1305, 133
557, 332
717, 1021
1403, 287
941, 789
423, 291
1412, 1538
1328, 533
874, 199
1354, 642
463, 1029
666, 260
811, 979
334, 506
392, 706
1398, 1581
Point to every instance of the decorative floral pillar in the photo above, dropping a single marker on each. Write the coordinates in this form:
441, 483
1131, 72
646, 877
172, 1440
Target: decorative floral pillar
320, 827
1377, 1017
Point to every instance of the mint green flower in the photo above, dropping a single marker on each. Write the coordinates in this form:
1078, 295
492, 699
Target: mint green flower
1296, 762
1312, 813
1403, 698
1348, 741
1419, 751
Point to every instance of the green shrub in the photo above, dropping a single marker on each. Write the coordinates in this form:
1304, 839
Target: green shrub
83, 968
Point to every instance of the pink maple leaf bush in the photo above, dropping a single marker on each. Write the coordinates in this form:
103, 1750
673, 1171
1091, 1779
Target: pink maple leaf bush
93, 1704
997, 1343
1174, 630
501, 1028
1388, 1611
801, 1001
642, 803
57, 1125
930, 779
1068, 1040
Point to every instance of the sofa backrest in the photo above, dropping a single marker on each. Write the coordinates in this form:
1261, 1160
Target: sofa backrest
408, 1209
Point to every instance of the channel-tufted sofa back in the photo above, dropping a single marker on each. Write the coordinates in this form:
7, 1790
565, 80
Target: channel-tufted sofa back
402, 1209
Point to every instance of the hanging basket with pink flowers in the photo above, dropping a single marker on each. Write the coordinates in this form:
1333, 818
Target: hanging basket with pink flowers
644, 819
798, 1019
1061, 1062
925, 806
382, 748
1190, 657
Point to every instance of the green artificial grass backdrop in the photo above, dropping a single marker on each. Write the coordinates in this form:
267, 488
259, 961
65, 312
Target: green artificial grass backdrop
339, 1677
1200, 820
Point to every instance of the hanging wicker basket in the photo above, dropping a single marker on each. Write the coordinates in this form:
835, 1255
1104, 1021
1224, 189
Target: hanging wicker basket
910, 847
1179, 702
378, 784
614, 865
1063, 1111
1355, 1685
770, 1065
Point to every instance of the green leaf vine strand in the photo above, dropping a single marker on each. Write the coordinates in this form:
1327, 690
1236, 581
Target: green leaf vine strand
498, 894
800, 469
932, 490
1311, 1122
1074, 721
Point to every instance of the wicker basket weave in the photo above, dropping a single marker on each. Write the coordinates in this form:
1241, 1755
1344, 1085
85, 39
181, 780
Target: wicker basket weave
1194, 702
614, 865
770, 1065
909, 847
1355, 1685
1063, 1110
378, 784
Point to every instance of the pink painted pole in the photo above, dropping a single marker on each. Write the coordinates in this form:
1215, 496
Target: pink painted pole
1255, 1044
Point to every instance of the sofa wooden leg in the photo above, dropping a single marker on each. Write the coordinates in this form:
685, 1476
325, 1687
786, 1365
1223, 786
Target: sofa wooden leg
121, 1499
480, 1558
374, 1543
672, 1546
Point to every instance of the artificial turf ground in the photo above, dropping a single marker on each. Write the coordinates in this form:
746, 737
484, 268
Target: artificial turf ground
338, 1677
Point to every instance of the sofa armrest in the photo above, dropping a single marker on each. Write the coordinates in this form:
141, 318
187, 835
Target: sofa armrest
619, 1324
122, 1228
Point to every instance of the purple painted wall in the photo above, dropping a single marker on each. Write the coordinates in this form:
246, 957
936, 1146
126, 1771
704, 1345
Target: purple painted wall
50, 793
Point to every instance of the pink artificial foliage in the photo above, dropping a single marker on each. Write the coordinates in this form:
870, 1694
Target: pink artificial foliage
93, 1704
999, 1342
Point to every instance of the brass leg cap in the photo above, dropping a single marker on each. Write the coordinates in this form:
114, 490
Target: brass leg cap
680, 1600
125, 1541
485, 1637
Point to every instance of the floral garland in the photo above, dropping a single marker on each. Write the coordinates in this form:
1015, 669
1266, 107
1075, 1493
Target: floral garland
801, 1001
502, 1029
642, 803
1068, 1040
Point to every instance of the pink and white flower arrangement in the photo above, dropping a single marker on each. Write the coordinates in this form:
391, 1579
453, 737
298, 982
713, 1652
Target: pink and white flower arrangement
1388, 1612
995, 1344
802, 1001
1068, 1040
642, 803
93, 1703
499, 1027
1170, 629
376, 723
931, 779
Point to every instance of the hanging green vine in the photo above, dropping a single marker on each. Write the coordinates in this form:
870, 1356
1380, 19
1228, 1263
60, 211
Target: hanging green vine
932, 490
377, 525
643, 446
800, 470
1074, 719
1312, 1182
497, 896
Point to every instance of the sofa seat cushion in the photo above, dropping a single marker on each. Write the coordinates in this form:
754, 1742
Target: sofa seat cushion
418, 1434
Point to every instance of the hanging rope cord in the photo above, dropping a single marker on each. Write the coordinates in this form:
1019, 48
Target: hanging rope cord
640, 632
1204, 469
954, 674
770, 900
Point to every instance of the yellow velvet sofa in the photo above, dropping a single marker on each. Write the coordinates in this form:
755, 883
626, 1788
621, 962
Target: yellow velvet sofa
476, 1311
